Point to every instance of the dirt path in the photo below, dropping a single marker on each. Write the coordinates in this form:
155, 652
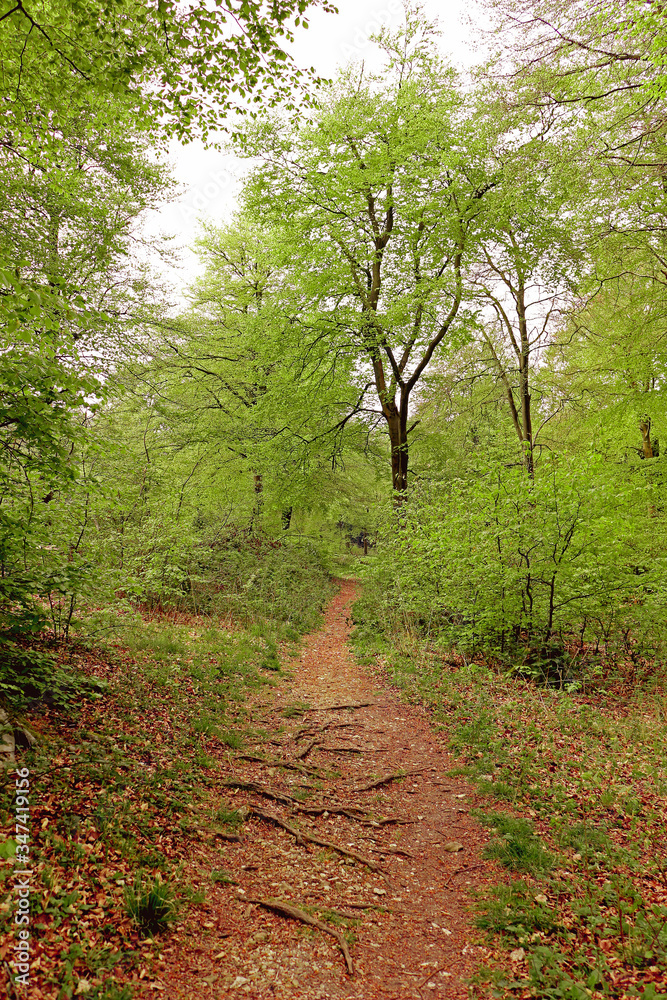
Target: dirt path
408, 913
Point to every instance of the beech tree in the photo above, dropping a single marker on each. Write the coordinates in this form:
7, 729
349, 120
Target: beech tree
378, 198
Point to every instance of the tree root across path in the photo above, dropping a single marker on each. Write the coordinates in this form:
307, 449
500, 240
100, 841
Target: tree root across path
288, 910
396, 776
301, 836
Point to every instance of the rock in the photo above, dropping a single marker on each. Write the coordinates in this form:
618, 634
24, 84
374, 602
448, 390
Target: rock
24, 737
452, 846
260, 937
7, 742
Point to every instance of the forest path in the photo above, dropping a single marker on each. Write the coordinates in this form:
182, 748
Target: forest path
409, 914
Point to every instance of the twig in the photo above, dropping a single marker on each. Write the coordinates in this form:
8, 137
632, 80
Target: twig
436, 972
366, 906
288, 910
392, 850
387, 778
465, 868
301, 836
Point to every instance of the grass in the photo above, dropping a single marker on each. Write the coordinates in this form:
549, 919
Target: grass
577, 790
151, 906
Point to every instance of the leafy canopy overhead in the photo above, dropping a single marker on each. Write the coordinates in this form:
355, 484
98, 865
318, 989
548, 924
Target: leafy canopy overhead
183, 65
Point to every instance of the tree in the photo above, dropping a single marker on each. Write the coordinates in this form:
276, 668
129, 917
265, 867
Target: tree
381, 191
181, 66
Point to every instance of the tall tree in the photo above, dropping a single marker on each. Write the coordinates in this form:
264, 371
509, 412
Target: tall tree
378, 197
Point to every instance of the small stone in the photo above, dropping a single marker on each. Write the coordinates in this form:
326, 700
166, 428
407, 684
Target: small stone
260, 937
517, 955
239, 982
452, 846
380, 892
541, 898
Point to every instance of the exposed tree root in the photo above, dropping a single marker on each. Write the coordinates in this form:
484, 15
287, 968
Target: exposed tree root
352, 812
288, 910
302, 837
339, 708
252, 786
318, 730
396, 776
306, 750
387, 820
290, 765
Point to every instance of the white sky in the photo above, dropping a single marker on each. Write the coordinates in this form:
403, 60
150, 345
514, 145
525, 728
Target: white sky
210, 180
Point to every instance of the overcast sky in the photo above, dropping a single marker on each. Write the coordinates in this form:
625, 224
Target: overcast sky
210, 180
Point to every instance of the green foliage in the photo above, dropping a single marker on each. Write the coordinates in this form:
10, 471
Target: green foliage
524, 567
29, 675
151, 906
515, 845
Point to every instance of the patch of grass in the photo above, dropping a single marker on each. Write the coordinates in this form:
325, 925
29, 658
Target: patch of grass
229, 817
151, 907
512, 910
295, 710
232, 739
219, 875
515, 844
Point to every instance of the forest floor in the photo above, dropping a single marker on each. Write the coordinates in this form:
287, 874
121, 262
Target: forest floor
320, 848
223, 821
353, 819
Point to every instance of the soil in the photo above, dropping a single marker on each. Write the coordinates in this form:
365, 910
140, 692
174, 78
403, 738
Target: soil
408, 918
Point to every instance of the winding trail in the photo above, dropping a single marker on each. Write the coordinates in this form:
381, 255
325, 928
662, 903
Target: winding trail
409, 913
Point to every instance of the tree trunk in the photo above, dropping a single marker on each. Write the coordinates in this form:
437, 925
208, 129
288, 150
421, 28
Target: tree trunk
397, 426
647, 446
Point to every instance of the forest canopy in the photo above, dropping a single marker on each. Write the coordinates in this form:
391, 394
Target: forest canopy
441, 297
